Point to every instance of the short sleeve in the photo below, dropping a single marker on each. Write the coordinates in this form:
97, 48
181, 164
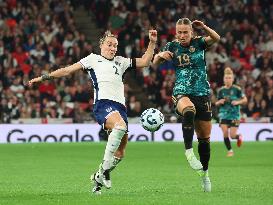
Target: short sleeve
202, 43
127, 63
240, 93
167, 47
87, 61
219, 95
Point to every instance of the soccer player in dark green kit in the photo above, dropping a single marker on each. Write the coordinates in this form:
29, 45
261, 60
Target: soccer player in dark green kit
230, 97
191, 92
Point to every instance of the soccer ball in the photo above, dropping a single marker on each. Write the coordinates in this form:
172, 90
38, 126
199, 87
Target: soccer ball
151, 119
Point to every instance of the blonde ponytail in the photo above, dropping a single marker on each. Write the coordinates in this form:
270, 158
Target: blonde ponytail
106, 34
228, 71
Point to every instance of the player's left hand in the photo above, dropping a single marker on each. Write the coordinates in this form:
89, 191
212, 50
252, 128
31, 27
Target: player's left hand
235, 102
153, 35
198, 24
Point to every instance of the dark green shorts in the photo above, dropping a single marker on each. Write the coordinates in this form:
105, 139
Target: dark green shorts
230, 123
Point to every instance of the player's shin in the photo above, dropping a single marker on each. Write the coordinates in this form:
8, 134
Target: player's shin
115, 163
113, 143
227, 143
204, 152
188, 126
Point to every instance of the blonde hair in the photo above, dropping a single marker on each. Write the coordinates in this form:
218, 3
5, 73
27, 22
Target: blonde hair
184, 21
105, 35
228, 71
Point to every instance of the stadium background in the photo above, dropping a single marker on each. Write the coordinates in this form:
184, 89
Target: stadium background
40, 36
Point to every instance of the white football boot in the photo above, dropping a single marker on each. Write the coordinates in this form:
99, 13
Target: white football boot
97, 181
205, 181
106, 179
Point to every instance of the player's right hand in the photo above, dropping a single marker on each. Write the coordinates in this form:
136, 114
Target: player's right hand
32, 81
166, 55
153, 35
222, 101
198, 24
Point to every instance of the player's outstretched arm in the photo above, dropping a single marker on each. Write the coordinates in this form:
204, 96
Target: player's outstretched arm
212, 35
145, 60
57, 73
161, 57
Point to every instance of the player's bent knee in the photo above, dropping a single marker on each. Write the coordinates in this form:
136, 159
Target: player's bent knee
116, 136
120, 129
188, 117
120, 125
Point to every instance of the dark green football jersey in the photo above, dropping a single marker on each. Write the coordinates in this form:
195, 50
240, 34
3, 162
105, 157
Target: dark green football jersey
228, 111
190, 67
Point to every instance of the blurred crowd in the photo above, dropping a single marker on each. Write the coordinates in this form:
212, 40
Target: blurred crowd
246, 45
40, 36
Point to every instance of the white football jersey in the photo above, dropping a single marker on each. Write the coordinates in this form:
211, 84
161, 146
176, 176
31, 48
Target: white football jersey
107, 76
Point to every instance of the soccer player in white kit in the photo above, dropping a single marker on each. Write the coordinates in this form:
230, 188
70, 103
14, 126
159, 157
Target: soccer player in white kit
106, 71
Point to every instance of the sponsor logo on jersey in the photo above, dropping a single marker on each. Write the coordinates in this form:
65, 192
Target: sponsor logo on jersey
191, 49
117, 63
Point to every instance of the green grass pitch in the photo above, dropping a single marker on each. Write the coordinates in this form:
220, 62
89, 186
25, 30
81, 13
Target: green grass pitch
151, 173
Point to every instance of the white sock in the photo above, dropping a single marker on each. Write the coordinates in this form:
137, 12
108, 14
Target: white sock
115, 163
112, 145
189, 150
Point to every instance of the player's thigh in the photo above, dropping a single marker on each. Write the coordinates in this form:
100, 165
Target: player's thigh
202, 128
114, 119
182, 103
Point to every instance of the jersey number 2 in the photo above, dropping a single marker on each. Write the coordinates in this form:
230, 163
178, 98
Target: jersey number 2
116, 72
